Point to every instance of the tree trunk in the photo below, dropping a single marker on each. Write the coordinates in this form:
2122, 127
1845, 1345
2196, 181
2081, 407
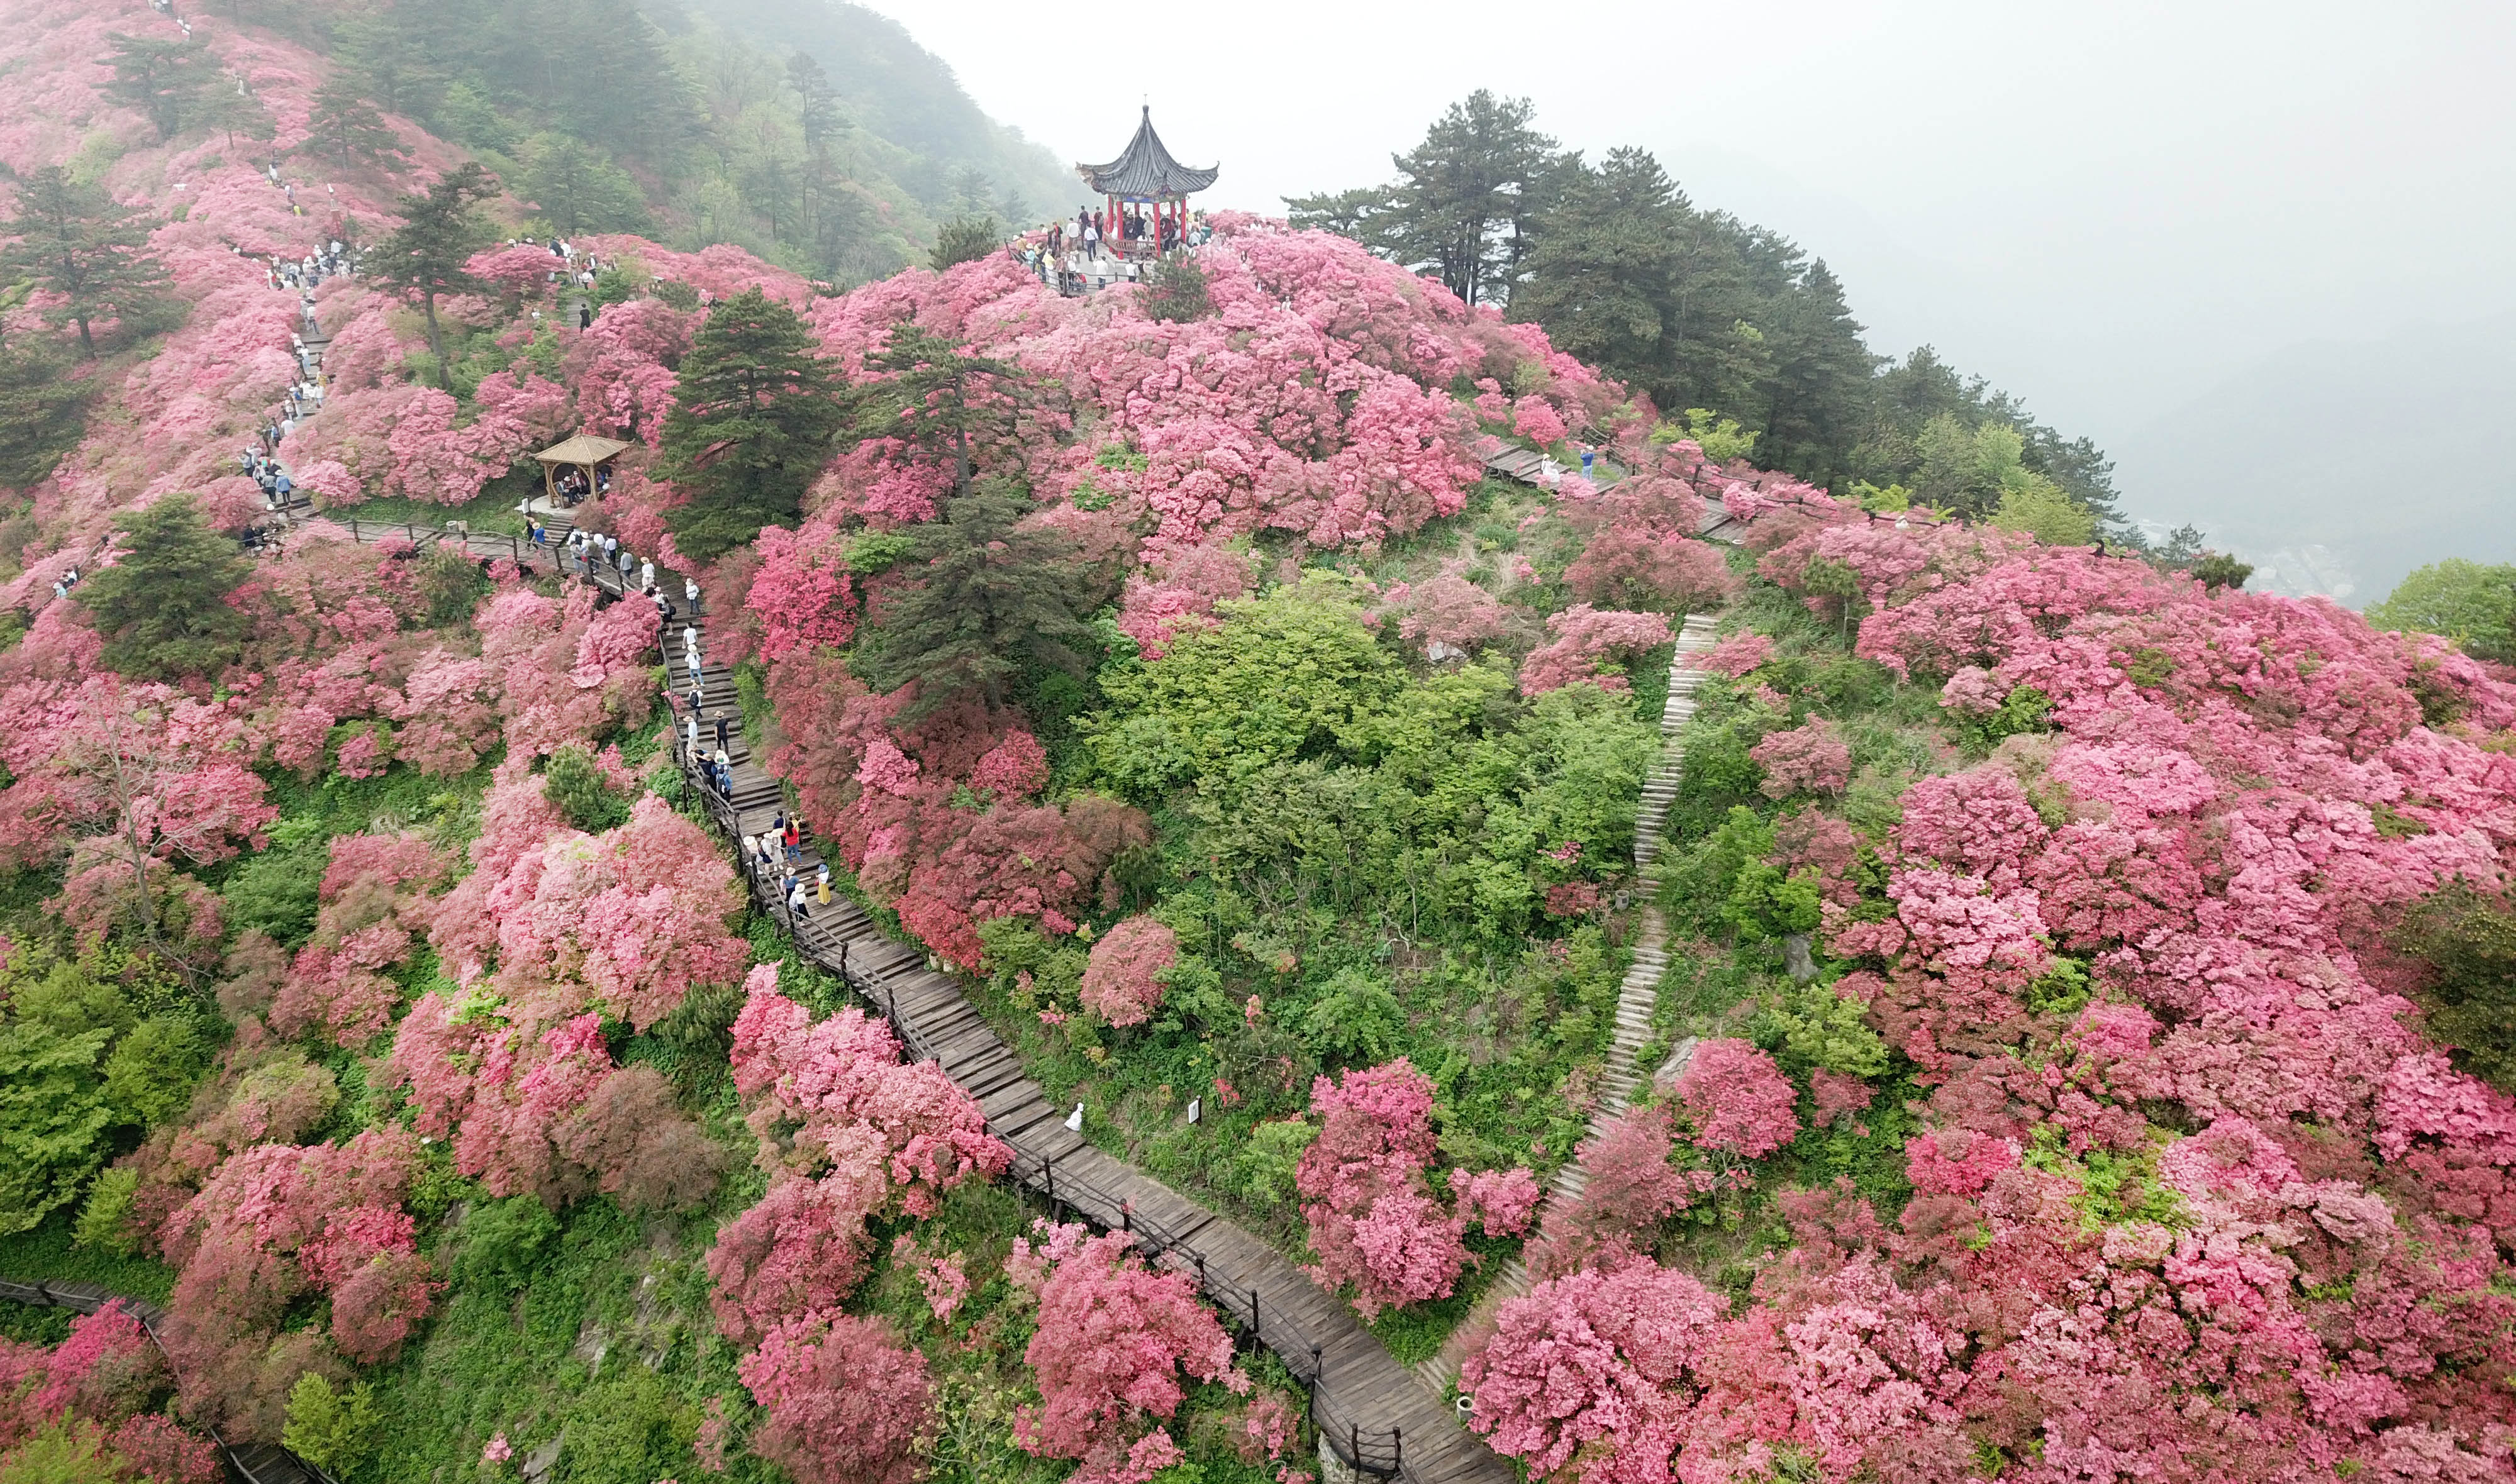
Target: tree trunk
86, 342
436, 341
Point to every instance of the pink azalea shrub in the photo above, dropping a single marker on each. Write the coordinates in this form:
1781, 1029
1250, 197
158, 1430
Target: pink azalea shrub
1372, 1223
1113, 1341
1587, 641
97, 1385
273, 1223
1736, 1099
1808, 759
1122, 983
845, 1402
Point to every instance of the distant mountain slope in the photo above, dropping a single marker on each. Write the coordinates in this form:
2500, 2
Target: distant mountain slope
2429, 472
894, 88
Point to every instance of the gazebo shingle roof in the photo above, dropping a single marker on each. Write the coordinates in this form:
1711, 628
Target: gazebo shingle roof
1147, 170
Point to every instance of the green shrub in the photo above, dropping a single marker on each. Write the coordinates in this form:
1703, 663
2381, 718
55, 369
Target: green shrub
149, 1075
627, 1429
572, 782
332, 1430
104, 1221
275, 891
1813, 1025
505, 1242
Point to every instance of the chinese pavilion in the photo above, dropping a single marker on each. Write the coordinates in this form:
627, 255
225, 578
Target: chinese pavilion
1145, 176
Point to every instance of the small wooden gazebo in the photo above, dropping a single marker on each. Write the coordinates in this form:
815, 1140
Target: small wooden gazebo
584, 451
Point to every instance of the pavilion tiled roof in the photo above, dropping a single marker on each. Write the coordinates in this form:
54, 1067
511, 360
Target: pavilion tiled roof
1146, 169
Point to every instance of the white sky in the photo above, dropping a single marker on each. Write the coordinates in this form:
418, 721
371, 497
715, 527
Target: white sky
2107, 207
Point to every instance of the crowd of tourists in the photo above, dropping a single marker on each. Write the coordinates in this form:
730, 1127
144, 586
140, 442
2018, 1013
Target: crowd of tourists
1069, 256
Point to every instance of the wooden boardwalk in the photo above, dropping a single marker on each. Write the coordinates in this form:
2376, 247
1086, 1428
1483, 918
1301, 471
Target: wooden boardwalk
1371, 1410
253, 1462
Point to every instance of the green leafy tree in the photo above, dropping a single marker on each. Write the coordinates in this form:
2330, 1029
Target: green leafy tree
74, 243
335, 1430
60, 1020
150, 1074
578, 190
53, 1115
442, 228
168, 80
346, 127
43, 412
988, 599
750, 425
2039, 506
2471, 602
964, 240
164, 606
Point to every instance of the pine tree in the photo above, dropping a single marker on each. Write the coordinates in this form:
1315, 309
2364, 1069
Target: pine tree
818, 102
42, 413
72, 241
439, 232
988, 599
167, 80
1603, 277
348, 127
948, 409
576, 190
1469, 195
164, 606
1819, 388
964, 240
750, 425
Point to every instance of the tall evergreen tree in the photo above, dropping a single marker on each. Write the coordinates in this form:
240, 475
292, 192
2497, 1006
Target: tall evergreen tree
74, 242
988, 599
164, 606
166, 79
1818, 390
948, 409
1468, 196
750, 425
1466, 201
346, 127
576, 190
440, 230
1603, 277
964, 240
818, 102
42, 412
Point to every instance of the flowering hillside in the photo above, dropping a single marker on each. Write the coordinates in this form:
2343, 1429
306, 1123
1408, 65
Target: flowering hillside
2063, 1076
2120, 1152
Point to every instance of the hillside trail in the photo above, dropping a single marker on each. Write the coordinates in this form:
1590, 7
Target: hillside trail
1636, 998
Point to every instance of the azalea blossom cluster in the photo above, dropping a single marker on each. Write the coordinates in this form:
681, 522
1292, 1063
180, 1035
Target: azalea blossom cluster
551, 932
1374, 1221
276, 1222
1113, 1341
847, 1132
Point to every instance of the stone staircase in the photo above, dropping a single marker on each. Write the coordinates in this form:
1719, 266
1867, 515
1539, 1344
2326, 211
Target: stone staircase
1636, 997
